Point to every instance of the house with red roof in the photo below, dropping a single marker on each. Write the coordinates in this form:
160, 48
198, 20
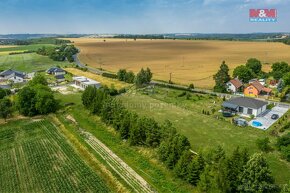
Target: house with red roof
255, 89
234, 86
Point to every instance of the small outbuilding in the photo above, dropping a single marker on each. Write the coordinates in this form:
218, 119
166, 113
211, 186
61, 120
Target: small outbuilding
245, 106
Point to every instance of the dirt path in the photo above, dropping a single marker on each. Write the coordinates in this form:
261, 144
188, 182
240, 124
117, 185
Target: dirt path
117, 164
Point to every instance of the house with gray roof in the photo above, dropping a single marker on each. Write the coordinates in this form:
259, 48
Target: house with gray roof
56, 71
13, 76
245, 106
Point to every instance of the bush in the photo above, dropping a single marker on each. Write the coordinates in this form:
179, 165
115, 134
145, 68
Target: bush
181, 94
191, 86
263, 144
285, 151
110, 75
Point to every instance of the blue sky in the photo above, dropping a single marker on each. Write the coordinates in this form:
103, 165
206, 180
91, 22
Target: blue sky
138, 16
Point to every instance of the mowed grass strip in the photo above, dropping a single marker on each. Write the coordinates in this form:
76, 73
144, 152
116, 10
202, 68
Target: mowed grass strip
28, 62
36, 158
101, 79
189, 61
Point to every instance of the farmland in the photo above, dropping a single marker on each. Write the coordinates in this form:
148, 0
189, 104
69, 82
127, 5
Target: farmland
189, 61
28, 62
32, 47
35, 157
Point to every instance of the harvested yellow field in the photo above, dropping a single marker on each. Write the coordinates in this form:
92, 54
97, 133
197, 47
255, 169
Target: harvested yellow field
189, 61
101, 79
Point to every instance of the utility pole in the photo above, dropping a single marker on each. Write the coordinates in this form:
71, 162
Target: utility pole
170, 77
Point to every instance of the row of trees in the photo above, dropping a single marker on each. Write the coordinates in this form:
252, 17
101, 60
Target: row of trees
125, 76
143, 77
252, 69
211, 171
59, 53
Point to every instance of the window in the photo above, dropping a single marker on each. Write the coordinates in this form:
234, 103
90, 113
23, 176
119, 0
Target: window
250, 111
241, 109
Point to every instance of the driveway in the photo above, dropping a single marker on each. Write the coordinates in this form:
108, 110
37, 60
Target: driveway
265, 118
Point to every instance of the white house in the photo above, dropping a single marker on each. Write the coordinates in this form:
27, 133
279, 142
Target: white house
234, 85
83, 82
246, 106
13, 76
56, 71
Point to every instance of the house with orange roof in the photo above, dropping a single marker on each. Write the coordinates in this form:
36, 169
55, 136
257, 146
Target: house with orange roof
255, 89
234, 86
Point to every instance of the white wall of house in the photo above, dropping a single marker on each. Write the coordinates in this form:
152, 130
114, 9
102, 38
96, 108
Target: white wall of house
16, 79
59, 73
255, 112
231, 87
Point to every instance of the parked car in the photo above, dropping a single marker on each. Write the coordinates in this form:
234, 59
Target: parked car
275, 116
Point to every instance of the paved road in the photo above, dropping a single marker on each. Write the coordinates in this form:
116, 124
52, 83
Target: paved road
81, 65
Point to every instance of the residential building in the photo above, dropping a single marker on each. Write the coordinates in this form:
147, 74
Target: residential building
83, 82
13, 76
234, 86
245, 106
60, 78
255, 89
56, 71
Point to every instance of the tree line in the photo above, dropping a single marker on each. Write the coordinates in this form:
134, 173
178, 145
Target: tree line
252, 69
62, 53
142, 78
210, 171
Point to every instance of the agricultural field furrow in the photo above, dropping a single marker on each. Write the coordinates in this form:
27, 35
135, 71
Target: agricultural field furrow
36, 158
120, 167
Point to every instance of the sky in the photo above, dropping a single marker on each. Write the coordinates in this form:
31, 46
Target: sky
138, 16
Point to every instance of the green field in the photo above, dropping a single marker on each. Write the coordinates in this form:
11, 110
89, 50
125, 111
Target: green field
35, 157
28, 62
203, 131
32, 47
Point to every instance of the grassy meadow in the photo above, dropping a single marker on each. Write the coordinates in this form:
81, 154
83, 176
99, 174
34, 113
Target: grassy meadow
189, 61
203, 131
28, 62
36, 157
32, 47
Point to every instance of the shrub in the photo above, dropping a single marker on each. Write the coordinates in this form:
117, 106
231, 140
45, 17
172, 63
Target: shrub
110, 75
263, 144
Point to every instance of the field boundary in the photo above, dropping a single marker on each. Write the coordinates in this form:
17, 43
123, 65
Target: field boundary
117, 164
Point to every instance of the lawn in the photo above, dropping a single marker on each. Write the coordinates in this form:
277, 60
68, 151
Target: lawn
203, 131
189, 61
32, 47
36, 157
29, 62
